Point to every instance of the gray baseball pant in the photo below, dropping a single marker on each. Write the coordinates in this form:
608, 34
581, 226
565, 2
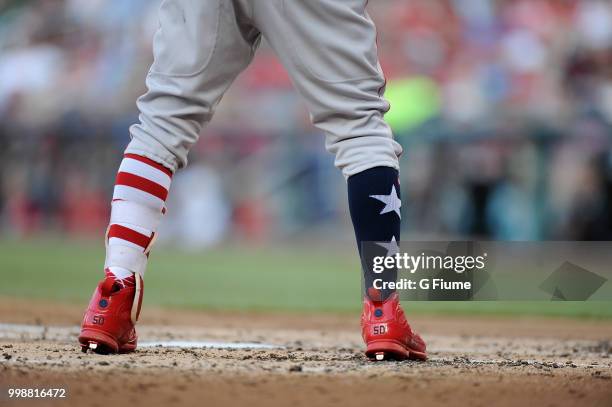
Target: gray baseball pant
327, 46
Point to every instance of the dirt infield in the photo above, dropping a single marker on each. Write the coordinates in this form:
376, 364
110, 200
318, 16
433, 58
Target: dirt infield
314, 360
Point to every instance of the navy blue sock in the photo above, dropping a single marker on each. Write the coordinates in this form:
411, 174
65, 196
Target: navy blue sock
374, 203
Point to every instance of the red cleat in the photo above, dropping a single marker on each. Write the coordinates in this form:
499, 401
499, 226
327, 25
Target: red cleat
109, 322
386, 332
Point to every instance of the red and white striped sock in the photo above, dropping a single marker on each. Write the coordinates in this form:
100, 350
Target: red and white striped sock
141, 189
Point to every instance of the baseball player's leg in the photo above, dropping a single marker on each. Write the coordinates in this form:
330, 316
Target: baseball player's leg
329, 50
199, 49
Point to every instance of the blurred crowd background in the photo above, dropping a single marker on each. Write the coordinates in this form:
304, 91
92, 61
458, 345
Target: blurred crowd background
503, 107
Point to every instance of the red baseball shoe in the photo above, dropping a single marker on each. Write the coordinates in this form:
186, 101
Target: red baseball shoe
109, 322
386, 332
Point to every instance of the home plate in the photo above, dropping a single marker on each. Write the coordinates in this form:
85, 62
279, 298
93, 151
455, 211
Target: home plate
204, 344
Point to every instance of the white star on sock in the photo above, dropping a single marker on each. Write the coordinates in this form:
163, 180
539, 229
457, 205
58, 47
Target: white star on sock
391, 201
392, 247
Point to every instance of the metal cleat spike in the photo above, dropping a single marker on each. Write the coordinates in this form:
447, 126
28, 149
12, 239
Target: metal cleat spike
380, 356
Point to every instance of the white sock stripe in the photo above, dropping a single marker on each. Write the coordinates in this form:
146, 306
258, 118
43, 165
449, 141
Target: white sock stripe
132, 215
127, 257
120, 272
146, 171
126, 193
117, 241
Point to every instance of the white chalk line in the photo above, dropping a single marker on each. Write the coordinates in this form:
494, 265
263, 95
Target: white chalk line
57, 333
206, 344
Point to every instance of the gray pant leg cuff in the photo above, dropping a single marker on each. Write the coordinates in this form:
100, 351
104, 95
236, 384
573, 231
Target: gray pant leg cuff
154, 152
356, 169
